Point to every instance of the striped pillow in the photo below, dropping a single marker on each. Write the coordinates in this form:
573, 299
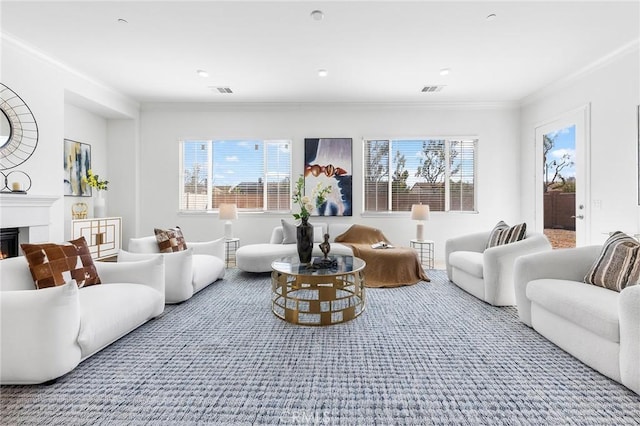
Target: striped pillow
618, 265
503, 234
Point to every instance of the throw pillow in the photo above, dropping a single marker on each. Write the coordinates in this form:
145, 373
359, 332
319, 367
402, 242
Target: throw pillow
503, 234
289, 233
618, 265
55, 264
170, 240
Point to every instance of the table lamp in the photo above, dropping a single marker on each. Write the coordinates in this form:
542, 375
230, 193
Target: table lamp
228, 212
420, 212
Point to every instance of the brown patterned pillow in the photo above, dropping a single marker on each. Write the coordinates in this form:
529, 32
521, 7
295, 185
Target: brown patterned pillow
503, 234
170, 240
55, 264
618, 265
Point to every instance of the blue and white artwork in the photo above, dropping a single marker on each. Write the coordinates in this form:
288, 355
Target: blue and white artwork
77, 162
328, 162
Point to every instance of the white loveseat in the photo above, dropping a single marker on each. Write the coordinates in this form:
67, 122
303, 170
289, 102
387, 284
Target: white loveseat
600, 327
187, 271
258, 257
46, 333
487, 273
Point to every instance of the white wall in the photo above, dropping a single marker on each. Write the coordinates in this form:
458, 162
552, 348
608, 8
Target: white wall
163, 125
38, 84
141, 160
139, 154
613, 91
83, 126
65, 104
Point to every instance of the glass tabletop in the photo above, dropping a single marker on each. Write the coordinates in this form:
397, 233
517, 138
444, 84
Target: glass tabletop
340, 265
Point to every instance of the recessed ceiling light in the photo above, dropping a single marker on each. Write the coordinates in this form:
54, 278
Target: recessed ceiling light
317, 15
445, 71
322, 73
491, 17
122, 21
202, 73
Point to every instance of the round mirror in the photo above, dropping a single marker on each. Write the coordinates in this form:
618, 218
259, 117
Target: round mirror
5, 129
18, 130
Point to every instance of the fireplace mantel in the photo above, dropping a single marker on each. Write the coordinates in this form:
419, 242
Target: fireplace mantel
27, 211
26, 200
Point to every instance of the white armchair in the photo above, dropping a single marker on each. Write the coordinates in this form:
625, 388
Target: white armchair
488, 273
600, 327
186, 272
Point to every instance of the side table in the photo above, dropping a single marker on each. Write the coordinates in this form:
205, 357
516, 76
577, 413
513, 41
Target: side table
231, 245
425, 249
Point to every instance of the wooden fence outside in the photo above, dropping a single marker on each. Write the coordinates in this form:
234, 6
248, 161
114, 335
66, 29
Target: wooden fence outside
559, 210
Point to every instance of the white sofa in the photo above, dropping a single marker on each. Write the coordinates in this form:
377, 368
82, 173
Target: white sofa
258, 257
487, 273
600, 327
186, 272
46, 333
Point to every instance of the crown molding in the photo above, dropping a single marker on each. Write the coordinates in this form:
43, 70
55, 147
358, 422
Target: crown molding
11, 40
631, 47
261, 106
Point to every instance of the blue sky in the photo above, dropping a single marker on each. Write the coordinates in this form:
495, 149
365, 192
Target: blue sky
412, 151
237, 161
565, 143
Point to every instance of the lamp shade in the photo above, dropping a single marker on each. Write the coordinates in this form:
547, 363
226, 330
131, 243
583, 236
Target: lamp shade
420, 212
228, 212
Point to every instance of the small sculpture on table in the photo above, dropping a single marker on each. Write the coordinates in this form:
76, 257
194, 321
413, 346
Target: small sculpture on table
325, 262
325, 247
79, 211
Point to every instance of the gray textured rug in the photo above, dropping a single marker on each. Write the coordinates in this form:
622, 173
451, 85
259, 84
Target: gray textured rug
419, 355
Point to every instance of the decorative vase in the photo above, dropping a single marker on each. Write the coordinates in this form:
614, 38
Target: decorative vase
304, 234
99, 206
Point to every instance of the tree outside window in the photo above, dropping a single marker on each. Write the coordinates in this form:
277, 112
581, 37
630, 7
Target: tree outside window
438, 172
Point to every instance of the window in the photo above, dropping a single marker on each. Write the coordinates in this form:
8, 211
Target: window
437, 172
253, 174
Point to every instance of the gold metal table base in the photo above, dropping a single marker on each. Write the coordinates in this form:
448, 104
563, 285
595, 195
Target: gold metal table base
317, 300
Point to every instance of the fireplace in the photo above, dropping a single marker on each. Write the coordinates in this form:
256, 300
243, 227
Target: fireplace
30, 214
9, 242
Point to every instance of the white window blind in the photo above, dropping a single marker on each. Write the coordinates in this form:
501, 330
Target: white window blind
278, 176
376, 175
253, 174
438, 172
196, 175
463, 175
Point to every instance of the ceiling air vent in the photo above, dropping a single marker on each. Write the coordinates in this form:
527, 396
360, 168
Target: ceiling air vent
225, 90
432, 89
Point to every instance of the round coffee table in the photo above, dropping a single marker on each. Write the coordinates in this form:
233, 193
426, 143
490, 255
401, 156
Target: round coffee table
305, 295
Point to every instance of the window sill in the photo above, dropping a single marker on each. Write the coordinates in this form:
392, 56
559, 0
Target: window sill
408, 214
240, 213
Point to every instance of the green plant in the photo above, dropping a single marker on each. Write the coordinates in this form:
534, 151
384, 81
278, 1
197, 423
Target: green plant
94, 181
304, 201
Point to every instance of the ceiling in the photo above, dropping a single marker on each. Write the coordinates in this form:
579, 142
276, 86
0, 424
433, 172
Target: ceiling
373, 51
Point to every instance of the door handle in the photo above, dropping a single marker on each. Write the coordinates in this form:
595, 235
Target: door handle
580, 216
